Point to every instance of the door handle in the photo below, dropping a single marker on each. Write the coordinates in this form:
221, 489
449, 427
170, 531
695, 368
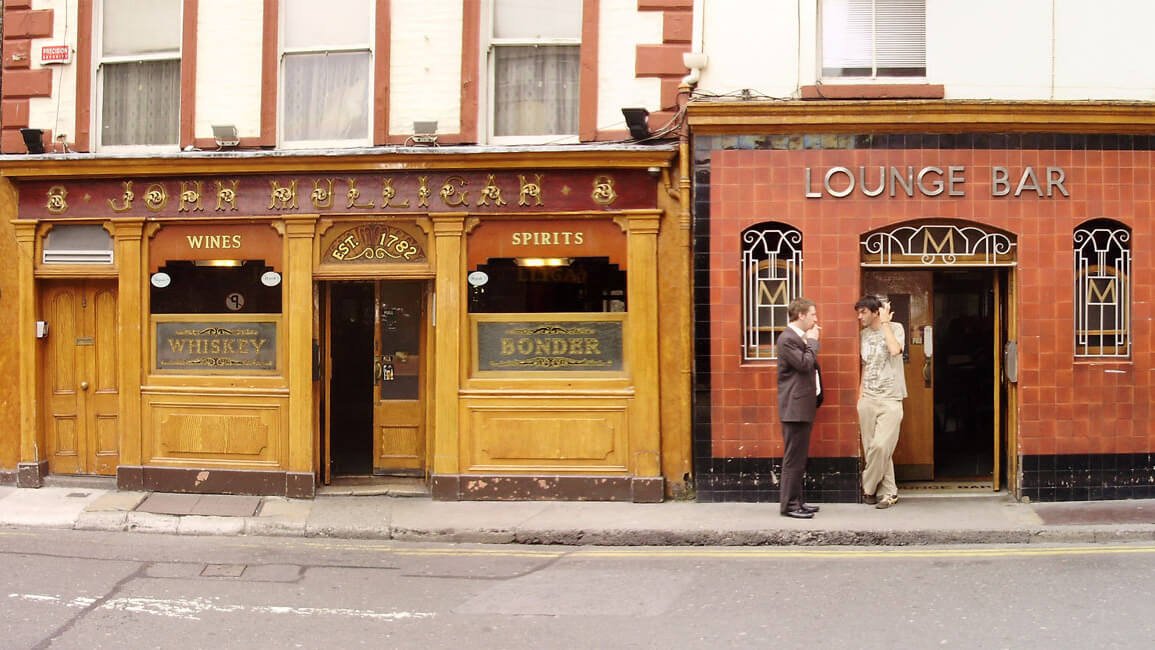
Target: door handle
376, 370
83, 385
926, 372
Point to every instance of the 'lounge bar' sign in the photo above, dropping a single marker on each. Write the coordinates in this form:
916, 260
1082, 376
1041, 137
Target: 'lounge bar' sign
549, 345
224, 346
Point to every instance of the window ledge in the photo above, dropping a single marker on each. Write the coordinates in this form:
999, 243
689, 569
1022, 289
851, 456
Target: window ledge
874, 91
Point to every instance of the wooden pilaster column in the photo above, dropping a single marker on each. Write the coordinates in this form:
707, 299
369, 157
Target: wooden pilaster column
642, 285
132, 317
448, 305
31, 466
297, 324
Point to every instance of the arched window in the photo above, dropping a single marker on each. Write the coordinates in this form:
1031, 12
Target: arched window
1102, 289
771, 278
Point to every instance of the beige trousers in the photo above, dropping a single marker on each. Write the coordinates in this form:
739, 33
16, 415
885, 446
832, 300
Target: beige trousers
878, 422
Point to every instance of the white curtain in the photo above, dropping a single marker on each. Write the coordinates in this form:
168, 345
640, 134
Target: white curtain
140, 103
536, 90
326, 96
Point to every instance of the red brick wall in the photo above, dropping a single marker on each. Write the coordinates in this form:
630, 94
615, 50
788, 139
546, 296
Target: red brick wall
1066, 406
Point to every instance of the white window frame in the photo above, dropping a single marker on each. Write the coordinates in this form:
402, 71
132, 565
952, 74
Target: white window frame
98, 59
489, 65
874, 76
329, 48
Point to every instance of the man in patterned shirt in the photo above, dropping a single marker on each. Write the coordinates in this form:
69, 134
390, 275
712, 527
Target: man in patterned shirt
880, 395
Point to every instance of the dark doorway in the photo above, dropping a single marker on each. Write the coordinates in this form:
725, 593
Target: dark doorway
964, 367
351, 378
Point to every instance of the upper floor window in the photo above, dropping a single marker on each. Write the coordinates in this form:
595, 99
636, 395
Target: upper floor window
326, 73
1102, 289
771, 278
873, 38
139, 73
534, 64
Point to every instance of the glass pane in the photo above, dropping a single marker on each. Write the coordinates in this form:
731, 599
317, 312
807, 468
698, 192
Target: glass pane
847, 28
534, 19
536, 90
400, 312
331, 23
78, 238
141, 103
587, 284
326, 96
215, 289
141, 27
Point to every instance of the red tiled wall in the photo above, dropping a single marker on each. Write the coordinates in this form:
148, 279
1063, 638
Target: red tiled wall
1065, 406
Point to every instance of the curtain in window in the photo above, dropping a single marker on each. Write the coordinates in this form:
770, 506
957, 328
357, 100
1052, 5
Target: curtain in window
326, 96
536, 90
141, 103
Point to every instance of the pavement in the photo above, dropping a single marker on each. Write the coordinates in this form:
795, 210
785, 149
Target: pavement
917, 519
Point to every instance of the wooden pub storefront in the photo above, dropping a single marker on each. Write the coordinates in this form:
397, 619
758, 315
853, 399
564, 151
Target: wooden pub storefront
261, 324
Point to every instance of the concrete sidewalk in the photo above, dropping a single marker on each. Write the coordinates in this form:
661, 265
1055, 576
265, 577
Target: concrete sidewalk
917, 519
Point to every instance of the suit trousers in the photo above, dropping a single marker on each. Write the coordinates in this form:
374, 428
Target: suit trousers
797, 437
879, 421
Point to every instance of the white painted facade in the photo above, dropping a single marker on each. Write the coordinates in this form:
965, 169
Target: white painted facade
425, 72
977, 49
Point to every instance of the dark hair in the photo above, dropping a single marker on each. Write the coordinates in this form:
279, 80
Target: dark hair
870, 302
798, 308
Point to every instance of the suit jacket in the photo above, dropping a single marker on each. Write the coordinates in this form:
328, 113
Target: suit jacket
797, 367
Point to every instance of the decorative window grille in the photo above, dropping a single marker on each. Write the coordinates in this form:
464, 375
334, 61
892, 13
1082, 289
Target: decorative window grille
771, 278
873, 38
938, 244
1102, 289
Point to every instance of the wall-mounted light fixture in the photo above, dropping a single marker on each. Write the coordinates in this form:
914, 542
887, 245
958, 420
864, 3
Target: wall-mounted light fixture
33, 139
219, 263
226, 135
637, 120
424, 133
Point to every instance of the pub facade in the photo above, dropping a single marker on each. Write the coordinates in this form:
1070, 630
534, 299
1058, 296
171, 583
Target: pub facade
236, 328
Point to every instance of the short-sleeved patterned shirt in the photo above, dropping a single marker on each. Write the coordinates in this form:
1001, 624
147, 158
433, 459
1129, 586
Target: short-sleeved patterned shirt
883, 375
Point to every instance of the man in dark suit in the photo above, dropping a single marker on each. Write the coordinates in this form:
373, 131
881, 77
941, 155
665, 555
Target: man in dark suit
798, 391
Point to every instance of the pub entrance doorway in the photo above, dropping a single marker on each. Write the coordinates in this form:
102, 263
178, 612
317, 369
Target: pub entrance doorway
374, 379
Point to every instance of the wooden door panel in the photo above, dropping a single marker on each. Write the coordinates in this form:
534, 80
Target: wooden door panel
81, 392
398, 429
398, 410
914, 456
103, 413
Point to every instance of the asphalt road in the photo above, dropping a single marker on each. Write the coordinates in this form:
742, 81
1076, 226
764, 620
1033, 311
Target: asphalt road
71, 589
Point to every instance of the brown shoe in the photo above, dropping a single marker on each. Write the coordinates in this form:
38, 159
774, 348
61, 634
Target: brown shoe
869, 499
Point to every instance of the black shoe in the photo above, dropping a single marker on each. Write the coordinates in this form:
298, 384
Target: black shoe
869, 499
806, 507
798, 514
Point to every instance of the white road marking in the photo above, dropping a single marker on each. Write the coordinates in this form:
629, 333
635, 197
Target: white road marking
192, 609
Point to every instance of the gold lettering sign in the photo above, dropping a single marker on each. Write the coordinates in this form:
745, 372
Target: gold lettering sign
375, 243
549, 345
234, 347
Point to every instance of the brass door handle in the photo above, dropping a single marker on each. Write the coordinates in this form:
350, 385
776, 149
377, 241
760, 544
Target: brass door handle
926, 372
83, 385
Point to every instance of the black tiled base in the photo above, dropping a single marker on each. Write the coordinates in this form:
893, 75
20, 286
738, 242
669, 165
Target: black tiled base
1088, 477
827, 480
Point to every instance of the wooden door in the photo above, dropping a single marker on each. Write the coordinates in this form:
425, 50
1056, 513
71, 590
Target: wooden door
399, 378
911, 295
81, 390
